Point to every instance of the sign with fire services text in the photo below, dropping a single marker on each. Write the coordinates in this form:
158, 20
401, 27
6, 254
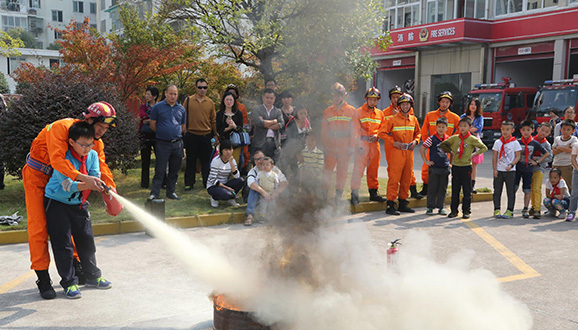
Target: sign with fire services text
442, 32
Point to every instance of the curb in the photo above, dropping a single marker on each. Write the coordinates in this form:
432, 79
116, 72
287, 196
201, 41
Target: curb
204, 220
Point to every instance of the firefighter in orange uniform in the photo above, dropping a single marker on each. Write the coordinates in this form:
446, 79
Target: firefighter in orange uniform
365, 141
336, 131
445, 100
403, 130
48, 151
389, 112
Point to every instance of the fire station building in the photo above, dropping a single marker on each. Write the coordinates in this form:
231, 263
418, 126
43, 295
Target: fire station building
440, 45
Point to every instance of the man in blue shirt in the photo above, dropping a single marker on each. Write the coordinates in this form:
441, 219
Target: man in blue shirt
168, 120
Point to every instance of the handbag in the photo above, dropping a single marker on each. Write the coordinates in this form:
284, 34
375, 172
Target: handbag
240, 138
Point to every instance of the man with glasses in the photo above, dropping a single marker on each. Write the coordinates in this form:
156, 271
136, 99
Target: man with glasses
168, 120
48, 151
201, 127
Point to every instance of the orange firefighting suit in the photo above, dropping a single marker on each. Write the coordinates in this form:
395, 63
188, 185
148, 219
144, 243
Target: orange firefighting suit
49, 148
388, 145
429, 128
405, 130
366, 123
336, 131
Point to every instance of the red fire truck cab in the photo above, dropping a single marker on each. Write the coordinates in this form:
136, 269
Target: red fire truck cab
556, 94
501, 101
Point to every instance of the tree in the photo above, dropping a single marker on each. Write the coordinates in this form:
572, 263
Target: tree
147, 50
285, 37
26, 37
4, 88
51, 94
9, 46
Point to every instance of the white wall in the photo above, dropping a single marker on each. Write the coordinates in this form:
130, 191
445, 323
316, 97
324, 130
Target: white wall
35, 57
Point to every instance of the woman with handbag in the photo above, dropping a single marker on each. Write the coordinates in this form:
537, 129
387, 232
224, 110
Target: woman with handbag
475, 113
230, 125
147, 135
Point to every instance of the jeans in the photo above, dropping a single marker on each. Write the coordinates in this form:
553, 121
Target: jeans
198, 147
171, 155
252, 202
508, 178
574, 196
437, 187
222, 194
62, 221
145, 155
461, 180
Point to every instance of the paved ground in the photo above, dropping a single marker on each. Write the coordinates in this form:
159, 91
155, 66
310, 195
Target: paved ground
536, 259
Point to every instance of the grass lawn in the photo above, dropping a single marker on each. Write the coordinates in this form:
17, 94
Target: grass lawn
192, 203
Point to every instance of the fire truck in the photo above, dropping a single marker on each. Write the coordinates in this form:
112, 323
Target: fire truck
501, 101
556, 94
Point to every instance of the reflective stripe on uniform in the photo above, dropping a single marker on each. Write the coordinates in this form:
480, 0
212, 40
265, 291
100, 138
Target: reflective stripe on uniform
370, 120
339, 118
403, 128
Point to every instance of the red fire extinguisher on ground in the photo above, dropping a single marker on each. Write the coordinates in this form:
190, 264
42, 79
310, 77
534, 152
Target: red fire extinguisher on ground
391, 254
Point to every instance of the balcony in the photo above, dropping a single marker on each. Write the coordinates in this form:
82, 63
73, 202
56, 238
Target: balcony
11, 5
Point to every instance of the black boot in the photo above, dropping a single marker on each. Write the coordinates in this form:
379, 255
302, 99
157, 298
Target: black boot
45, 284
403, 206
374, 197
391, 208
354, 198
414, 193
423, 191
78, 271
473, 185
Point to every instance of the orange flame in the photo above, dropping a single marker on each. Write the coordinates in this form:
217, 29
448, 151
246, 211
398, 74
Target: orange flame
222, 302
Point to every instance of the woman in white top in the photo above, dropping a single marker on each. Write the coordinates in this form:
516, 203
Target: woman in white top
219, 186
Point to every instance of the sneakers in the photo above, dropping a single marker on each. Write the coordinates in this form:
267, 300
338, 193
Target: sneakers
99, 283
153, 196
570, 217
443, 212
537, 215
562, 215
497, 214
465, 215
531, 212
525, 213
232, 202
72, 292
248, 220
173, 196
453, 214
214, 203
429, 212
508, 214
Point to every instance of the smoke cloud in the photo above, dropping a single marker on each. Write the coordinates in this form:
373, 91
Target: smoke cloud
316, 272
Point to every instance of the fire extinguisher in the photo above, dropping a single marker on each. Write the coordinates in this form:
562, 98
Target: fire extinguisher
391, 253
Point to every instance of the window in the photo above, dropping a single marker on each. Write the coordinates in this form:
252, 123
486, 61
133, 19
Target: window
475, 8
103, 26
57, 15
102, 4
508, 6
539, 4
402, 13
93, 7
440, 10
11, 22
34, 3
57, 35
78, 6
54, 62
14, 63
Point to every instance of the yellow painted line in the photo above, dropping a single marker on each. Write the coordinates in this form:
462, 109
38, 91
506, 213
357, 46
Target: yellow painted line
527, 271
15, 282
11, 284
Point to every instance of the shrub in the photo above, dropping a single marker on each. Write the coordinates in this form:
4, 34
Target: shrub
48, 95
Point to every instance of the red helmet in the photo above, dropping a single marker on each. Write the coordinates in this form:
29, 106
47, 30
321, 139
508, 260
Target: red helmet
102, 112
338, 88
405, 98
373, 92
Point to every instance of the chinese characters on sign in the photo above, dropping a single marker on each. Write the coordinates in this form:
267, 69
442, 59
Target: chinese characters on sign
425, 35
